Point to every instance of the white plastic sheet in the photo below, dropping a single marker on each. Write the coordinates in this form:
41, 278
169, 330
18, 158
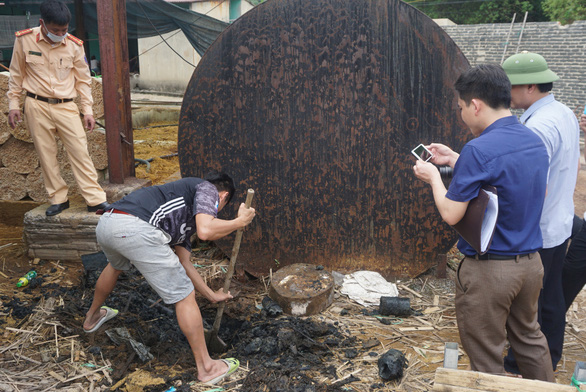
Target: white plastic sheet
366, 287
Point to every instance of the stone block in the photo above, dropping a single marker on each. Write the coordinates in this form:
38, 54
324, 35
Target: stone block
72, 233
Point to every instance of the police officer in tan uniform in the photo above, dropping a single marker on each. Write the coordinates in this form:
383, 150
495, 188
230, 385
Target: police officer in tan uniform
49, 66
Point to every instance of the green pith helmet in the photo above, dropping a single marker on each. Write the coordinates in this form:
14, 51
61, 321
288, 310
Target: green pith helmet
528, 68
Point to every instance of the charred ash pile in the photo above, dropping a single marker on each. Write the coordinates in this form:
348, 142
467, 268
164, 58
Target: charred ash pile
281, 353
290, 354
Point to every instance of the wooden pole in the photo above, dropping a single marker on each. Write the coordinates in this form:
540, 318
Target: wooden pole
521, 32
116, 82
508, 36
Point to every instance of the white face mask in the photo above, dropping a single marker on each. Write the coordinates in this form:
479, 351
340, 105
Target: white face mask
54, 37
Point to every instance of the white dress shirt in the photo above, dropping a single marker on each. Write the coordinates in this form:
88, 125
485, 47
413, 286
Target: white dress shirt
558, 127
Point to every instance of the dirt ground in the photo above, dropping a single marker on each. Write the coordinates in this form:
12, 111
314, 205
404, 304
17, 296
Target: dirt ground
43, 346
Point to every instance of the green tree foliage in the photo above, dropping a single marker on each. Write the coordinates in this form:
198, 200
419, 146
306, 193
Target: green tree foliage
565, 11
482, 11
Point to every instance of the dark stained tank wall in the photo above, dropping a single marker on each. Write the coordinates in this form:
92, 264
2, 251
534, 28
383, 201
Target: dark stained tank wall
316, 104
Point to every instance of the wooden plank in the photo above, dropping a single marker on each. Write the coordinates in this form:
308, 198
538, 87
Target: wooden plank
451, 388
422, 321
442, 263
410, 329
451, 380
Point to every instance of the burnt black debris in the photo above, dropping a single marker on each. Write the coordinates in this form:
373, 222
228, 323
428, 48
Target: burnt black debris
391, 364
17, 308
93, 265
289, 353
283, 353
270, 307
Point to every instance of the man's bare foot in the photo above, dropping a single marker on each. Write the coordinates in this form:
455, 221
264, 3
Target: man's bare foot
91, 322
218, 368
95, 321
232, 365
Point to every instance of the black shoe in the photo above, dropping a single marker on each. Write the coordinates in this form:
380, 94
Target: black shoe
101, 206
55, 209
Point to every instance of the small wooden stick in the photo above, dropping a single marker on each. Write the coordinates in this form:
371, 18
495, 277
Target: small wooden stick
415, 293
56, 341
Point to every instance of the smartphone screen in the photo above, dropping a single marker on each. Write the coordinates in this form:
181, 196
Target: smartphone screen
422, 153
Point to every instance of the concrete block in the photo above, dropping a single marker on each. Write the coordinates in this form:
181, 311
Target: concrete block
451, 355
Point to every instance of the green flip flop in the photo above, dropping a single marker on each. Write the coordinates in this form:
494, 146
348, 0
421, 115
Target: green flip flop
233, 365
110, 314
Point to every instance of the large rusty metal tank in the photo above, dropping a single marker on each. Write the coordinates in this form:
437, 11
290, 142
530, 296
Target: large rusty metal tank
316, 105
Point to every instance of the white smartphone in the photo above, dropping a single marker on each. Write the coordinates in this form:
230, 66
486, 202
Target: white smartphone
422, 153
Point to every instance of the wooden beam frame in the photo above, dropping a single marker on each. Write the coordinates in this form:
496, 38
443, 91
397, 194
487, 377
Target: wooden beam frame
450, 380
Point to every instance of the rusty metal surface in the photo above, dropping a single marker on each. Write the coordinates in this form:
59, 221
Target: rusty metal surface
316, 105
302, 289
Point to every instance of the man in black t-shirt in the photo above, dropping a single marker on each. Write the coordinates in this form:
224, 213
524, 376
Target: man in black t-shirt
151, 229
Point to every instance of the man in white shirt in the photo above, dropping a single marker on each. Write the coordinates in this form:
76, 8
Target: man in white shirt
557, 126
95, 66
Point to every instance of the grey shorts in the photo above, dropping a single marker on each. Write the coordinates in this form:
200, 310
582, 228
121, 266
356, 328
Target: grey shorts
127, 240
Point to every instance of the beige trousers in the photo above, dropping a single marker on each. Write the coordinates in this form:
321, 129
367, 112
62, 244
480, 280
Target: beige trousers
45, 121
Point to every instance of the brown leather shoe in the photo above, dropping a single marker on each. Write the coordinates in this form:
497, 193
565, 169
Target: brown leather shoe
55, 209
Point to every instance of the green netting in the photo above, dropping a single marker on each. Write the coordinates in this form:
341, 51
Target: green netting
11, 23
145, 18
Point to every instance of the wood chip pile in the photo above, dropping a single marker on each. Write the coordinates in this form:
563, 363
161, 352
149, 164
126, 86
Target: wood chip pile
40, 358
20, 175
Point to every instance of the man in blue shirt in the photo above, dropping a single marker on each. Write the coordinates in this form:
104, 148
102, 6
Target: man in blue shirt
151, 229
557, 126
496, 293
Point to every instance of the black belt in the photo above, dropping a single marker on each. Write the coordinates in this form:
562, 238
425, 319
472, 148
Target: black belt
52, 101
492, 256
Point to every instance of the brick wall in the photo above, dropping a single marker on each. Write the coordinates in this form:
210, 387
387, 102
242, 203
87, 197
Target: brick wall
564, 48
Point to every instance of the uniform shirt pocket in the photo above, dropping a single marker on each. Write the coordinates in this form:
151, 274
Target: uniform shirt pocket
37, 63
64, 67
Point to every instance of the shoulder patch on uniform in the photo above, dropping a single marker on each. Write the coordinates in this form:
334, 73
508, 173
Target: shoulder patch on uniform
75, 39
23, 32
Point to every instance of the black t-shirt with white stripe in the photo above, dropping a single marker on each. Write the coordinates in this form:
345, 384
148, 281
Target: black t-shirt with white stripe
172, 207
